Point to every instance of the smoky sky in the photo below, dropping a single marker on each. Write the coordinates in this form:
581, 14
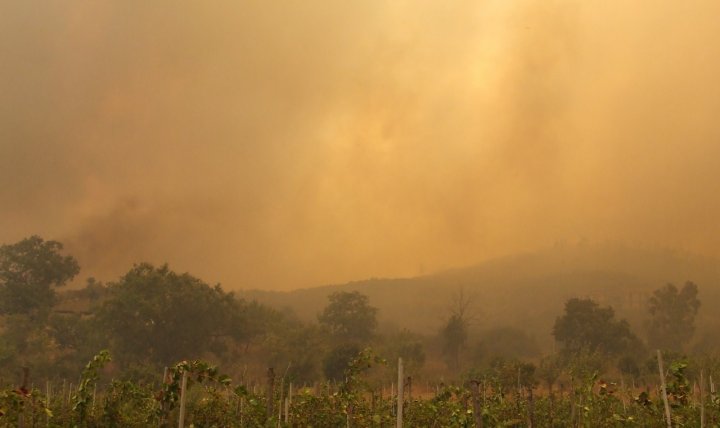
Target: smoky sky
267, 144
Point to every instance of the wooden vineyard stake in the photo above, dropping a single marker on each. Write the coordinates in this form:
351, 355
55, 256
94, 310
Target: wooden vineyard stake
183, 390
392, 395
712, 386
400, 395
287, 409
702, 399
47, 402
270, 391
477, 403
664, 390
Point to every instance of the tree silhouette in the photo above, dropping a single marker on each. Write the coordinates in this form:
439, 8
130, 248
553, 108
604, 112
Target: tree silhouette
349, 317
672, 316
587, 326
156, 316
455, 331
29, 272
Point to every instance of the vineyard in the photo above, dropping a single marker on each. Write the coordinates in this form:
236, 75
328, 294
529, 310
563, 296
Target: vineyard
197, 394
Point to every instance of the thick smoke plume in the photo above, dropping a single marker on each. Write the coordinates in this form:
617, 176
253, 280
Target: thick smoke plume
286, 144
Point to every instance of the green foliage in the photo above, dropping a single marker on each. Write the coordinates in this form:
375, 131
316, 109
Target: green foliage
337, 360
347, 404
29, 405
81, 399
407, 346
29, 272
75, 339
356, 367
672, 316
128, 404
585, 365
449, 408
509, 375
197, 371
27, 342
678, 385
213, 409
585, 325
349, 317
290, 343
504, 396
156, 316
152, 316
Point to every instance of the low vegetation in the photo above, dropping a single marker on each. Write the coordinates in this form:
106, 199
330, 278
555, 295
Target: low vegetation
160, 330
507, 394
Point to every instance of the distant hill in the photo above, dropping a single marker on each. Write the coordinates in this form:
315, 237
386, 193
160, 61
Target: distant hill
526, 291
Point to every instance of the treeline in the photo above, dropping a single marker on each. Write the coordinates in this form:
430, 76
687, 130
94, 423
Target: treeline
152, 317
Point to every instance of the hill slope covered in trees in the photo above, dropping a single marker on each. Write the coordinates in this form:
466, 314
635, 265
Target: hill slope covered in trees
527, 291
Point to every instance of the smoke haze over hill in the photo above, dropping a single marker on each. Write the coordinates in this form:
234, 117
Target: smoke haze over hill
280, 145
525, 291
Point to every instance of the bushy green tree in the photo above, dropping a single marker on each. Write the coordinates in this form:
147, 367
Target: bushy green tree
154, 315
587, 326
30, 270
349, 317
337, 361
672, 316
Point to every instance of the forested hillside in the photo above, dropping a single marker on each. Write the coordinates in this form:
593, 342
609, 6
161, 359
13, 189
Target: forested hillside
526, 291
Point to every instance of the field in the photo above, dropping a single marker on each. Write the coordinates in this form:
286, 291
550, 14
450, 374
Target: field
512, 395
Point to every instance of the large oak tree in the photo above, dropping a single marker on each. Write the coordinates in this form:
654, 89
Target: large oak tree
30, 270
154, 315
